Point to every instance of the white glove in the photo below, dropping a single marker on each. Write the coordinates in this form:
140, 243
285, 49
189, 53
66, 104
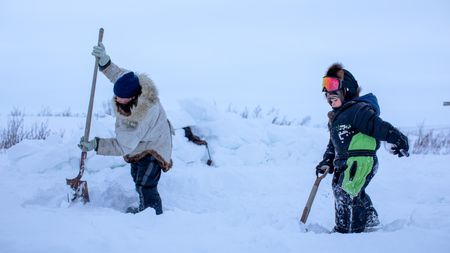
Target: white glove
100, 52
88, 145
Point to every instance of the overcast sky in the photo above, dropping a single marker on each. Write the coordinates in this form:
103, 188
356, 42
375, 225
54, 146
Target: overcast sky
244, 53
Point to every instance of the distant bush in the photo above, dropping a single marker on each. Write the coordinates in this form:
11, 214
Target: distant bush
45, 112
432, 141
273, 115
67, 112
14, 131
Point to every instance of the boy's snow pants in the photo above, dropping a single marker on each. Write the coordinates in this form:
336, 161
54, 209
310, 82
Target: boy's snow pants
352, 213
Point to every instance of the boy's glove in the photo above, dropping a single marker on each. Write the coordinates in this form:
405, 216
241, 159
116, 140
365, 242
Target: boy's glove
100, 52
88, 145
322, 166
399, 141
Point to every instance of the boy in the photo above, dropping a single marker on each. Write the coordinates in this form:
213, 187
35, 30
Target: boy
355, 134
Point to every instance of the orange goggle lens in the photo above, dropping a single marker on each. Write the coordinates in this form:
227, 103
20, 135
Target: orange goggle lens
330, 84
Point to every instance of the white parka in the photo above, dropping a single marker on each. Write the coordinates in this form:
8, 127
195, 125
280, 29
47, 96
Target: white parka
145, 132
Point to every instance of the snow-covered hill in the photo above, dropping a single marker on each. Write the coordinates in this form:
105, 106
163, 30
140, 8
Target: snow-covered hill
249, 201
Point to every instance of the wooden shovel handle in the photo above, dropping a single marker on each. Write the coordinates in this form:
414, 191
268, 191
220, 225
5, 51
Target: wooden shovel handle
312, 195
74, 182
91, 99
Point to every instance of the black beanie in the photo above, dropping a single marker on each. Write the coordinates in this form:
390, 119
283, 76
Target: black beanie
350, 85
127, 86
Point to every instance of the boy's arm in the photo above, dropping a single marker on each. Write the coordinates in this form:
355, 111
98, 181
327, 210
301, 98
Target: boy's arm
367, 122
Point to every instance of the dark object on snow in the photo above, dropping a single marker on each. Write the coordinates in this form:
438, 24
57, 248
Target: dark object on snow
312, 195
132, 210
447, 103
79, 187
195, 139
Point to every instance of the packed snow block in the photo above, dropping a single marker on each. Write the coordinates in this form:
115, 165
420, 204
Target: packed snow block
24, 149
180, 119
200, 110
29, 155
190, 112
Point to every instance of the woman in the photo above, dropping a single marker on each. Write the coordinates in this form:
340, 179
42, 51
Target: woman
143, 133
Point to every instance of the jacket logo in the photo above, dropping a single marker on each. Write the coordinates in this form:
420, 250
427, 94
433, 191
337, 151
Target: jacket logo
343, 131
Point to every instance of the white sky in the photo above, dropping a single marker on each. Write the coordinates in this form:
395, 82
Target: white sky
245, 53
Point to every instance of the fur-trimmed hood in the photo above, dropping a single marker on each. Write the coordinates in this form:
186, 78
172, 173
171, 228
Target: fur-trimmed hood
147, 99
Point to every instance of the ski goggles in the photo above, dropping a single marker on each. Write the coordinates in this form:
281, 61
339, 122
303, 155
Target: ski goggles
331, 84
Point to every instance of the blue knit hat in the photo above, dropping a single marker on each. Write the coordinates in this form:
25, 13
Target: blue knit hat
127, 86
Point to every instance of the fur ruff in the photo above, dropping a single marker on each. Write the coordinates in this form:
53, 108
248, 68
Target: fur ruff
146, 100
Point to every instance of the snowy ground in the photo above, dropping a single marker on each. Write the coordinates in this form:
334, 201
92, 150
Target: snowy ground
250, 201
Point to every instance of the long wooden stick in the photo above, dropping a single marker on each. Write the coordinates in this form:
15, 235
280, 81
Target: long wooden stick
91, 100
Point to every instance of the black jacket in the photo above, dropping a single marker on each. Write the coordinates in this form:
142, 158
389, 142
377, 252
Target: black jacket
356, 129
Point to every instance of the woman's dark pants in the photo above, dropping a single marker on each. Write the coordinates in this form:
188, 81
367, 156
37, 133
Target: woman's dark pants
146, 173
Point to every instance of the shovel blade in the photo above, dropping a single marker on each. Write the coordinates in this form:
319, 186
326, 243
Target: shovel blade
79, 190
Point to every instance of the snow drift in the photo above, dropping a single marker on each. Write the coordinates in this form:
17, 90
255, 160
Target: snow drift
249, 201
